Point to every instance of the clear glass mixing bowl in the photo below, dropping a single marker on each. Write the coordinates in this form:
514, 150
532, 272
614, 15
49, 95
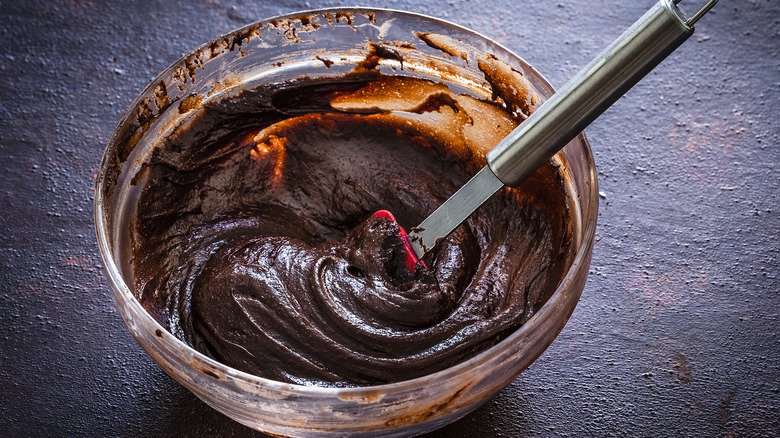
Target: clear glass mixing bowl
327, 43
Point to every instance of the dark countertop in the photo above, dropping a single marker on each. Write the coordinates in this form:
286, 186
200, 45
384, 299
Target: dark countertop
677, 331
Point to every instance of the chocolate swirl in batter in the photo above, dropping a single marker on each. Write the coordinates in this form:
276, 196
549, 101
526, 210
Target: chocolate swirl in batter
257, 243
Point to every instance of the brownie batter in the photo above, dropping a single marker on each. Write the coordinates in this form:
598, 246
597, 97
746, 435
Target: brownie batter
257, 240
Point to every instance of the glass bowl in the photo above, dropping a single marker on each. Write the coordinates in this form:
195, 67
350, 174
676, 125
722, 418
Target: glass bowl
329, 42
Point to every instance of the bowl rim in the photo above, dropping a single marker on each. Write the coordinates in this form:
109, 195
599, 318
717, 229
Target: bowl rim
114, 276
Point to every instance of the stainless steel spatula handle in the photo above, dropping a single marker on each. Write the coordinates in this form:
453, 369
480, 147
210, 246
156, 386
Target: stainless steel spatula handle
594, 89
564, 115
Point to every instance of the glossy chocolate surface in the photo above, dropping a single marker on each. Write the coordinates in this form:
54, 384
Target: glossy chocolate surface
257, 244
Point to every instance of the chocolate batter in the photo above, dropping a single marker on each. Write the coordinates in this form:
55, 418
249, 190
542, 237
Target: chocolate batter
257, 241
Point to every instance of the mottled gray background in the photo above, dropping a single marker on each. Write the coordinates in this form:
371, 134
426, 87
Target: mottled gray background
677, 330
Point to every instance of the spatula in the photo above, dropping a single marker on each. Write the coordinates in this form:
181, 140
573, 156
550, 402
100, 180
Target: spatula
563, 116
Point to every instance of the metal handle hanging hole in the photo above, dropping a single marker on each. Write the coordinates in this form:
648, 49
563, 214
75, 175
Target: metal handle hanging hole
704, 9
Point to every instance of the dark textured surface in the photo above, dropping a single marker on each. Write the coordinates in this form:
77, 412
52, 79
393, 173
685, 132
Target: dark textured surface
677, 330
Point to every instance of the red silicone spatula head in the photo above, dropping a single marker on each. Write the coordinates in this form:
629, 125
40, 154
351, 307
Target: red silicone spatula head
411, 259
